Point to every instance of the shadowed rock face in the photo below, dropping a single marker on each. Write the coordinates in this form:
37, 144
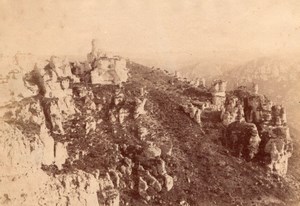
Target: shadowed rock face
243, 139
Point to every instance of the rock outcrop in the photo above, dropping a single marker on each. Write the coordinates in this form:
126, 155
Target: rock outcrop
277, 148
104, 69
269, 137
194, 112
243, 139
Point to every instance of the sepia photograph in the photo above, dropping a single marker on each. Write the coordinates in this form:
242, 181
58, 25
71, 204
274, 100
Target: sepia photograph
149, 103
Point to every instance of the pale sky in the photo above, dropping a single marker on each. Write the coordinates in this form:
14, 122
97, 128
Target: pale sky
149, 27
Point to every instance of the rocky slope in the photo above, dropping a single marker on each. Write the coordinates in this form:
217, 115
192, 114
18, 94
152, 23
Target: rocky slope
277, 78
128, 145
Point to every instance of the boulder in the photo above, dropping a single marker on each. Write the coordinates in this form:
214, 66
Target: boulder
140, 107
161, 167
226, 118
109, 71
48, 142
89, 104
243, 139
142, 132
142, 187
169, 182
151, 151
123, 114
121, 69
65, 98
115, 175
118, 97
198, 116
194, 112
14, 87
166, 148
90, 125
55, 117
61, 154
105, 181
152, 181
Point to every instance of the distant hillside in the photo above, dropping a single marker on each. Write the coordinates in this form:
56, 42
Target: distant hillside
206, 68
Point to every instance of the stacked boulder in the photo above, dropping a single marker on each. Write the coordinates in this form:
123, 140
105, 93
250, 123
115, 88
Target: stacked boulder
154, 179
151, 168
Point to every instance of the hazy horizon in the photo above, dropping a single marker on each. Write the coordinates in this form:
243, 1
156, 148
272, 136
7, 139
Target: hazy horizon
172, 32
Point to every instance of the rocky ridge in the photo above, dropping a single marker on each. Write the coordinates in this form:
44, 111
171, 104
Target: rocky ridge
129, 144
